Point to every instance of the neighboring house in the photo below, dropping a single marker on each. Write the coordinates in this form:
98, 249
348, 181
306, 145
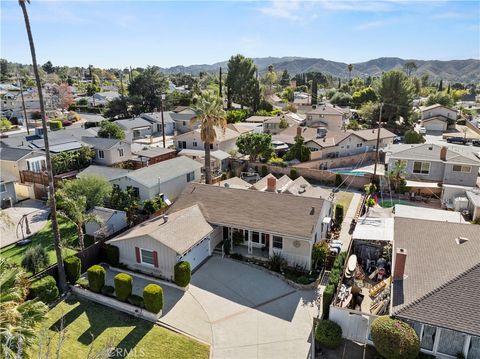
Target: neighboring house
257, 119
108, 173
103, 98
235, 182
288, 135
136, 128
225, 141
438, 117
204, 215
218, 158
109, 221
147, 156
243, 127
331, 117
280, 122
473, 196
436, 271
8, 196
436, 164
404, 211
183, 120
109, 151
167, 178
155, 118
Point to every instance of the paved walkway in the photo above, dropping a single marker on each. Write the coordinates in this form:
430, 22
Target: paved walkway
37, 213
345, 237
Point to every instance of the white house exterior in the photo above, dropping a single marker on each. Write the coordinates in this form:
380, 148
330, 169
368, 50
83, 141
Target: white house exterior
155, 118
438, 117
136, 128
331, 117
110, 221
167, 178
109, 151
225, 140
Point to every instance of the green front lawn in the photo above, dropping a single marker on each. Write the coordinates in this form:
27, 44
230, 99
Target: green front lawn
44, 237
93, 327
344, 198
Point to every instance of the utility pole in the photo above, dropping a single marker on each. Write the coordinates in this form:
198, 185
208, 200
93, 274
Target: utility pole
121, 84
162, 97
374, 178
220, 83
23, 104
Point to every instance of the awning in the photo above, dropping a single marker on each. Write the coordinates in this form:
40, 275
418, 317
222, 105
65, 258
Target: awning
419, 184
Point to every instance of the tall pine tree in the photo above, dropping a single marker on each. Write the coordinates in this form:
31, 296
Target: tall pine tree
314, 92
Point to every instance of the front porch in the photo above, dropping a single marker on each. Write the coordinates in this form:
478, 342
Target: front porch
257, 253
249, 243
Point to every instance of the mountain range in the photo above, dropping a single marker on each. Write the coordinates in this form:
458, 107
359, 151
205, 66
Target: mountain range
453, 70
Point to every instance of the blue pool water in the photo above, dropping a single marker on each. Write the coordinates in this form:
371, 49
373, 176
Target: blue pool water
349, 173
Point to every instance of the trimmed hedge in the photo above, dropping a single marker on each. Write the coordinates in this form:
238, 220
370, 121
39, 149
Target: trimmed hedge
328, 293
339, 211
108, 290
113, 255
394, 339
73, 268
82, 282
182, 274
123, 286
96, 278
328, 334
55, 125
135, 300
153, 298
45, 289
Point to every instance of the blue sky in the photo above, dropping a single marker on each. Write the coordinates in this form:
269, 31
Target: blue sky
123, 33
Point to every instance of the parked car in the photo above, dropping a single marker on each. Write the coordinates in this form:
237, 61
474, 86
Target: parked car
422, 130
476, 143
457, 140
397, 139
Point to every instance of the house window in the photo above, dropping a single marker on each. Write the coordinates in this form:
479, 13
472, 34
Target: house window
184, 123
36, 166
120, 152
277, 242
464, 169
147, 256
450, 342
255, 237
421, 167
359, 144
115, 186
135, 191
211, 146
2, 187
190, 176
101, 154
194, 143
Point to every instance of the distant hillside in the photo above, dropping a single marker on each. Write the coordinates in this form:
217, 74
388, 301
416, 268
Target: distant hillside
453, 70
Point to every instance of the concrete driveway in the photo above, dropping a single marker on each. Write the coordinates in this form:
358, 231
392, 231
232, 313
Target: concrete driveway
242, 312
37, 213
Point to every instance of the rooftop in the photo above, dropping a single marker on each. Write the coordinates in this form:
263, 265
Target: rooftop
103, 214
102, 143
132, 123
428, 214
222, 134
431, 152
109, 173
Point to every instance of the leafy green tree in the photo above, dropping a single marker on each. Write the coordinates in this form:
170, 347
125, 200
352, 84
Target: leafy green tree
298, 151
5, 124
111, 130
285, 79
314, 92
396, 91
146, 90
270, 79
283, 123
362, 96
440, 86
117, 108
320, 250
341, 99
410, 67
35, 259
48, 67
95, 189
209, 113
412, 137
353, 125
92, 89
19, 317
396, 175
255, 144
234, 116
441, 98
350, 69
242, 86
394, 339
124, 201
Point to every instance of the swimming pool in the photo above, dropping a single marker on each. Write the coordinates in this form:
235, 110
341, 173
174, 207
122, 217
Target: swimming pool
349, 172
387, 203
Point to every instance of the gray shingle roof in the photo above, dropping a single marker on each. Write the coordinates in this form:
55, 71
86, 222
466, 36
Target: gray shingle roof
101, 143
110, 173
103, 214
263, 211
441, 284
157, 117
131, 123
431, 152
13, 154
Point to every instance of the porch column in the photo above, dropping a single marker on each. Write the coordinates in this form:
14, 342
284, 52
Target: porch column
270, 245
230, 238
250, 248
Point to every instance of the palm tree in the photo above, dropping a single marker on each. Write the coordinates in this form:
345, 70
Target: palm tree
350, 69
209, 112
18, 317
62, 282
397, 174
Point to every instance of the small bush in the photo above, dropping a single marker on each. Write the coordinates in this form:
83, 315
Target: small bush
182, 274
339, 212
327, 299
328, 334
237, 256
82, 282
35, 259
108, 290
45, 289
153, 298
276, 262
73, 267
96, 278
113, 255
293, 174
412, 137
394, 339
263, 171
136, 300
55, 125
123, 286
338, 180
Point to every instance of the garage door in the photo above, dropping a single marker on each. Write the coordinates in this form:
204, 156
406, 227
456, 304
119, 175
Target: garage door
197, 254
435, 126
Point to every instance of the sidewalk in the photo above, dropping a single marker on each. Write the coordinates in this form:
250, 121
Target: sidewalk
345, 237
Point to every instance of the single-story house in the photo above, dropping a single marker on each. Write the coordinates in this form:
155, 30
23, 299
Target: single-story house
109, 151
438, 117
103, 98
218, 158
404, 211
167, 178
135, 128
108, 173
147, 156
8, 196
225, 140
204, 215
155, 118
234, 182
109, 221
280, 122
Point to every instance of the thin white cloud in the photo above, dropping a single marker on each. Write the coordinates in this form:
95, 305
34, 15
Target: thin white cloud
375, 24
282, 9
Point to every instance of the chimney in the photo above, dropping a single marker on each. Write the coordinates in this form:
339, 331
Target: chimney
443, 153
400, 259
299, 131
271, 184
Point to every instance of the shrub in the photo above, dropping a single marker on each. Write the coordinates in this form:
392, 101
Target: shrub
82, 282
293, 174
135, 300
237, 256
108, 290
5, 124
276, 262
264, 171
339, 212
35, 259
394, 339
328, 334
45, 289
123, 286
153, 298
182, 274
412, 137
55, 125
73, 267
327, 298
338, 180
96, 278
320, 251
113, 255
